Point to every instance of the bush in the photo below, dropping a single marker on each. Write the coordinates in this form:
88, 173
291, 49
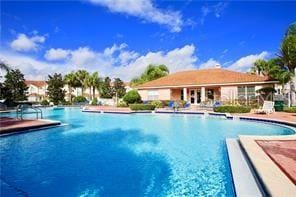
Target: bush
137, 107
94, 101
79, 99
232, 109
290, 109
157, 104
122, 104
131, 97
44, 102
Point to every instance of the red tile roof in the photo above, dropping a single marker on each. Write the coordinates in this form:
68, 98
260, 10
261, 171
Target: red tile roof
36, 83
204, 77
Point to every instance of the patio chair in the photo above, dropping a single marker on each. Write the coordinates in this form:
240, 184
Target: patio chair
267, 108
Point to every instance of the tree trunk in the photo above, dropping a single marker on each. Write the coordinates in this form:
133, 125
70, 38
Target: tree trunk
94, 92
70, 92
292, 92
90, 96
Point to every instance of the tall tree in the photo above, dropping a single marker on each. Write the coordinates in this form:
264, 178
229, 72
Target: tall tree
152, 72
14, 87
72, 82
118, 87
81, 76
106, 89
55, 89
288, 56
95, 82
87, 84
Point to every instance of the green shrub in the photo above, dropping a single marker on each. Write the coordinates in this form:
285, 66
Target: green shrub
132, 96
290, 109
94, 101
157, 104
232, 109
44, 102
79, 99
137, 107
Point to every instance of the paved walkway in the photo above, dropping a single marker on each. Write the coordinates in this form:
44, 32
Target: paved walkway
284, 116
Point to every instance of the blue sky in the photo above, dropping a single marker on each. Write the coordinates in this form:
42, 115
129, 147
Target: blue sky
120, 37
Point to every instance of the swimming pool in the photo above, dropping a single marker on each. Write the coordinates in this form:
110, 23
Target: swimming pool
124, 155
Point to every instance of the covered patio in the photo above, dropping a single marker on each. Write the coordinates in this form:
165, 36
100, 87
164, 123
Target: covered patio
196, 95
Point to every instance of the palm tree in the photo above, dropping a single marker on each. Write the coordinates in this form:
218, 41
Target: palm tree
288, 56
87, 84
152, 72
72, 81
95, 82
81, 76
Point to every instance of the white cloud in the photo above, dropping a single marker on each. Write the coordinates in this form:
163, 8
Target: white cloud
25, 43
82, 56
32, 68
56, 54
114, 61
144, 9
211, 63
245, 63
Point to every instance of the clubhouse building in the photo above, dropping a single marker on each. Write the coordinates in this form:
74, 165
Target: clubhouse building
206, 85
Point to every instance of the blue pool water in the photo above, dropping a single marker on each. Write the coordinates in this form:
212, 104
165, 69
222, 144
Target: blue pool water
124, 155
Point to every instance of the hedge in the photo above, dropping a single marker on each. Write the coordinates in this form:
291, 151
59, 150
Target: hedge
290, 109
232, 109
157, 104
137, 107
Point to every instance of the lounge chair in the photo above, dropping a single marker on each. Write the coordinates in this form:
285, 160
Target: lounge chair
267, 108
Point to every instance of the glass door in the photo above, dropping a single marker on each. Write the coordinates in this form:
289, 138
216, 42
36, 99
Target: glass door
192, 96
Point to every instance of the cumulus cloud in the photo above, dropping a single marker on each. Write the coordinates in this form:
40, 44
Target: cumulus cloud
83, 55
32, 68
56, 54
25, 43
145, 10
245, 63
211, 63
114, 61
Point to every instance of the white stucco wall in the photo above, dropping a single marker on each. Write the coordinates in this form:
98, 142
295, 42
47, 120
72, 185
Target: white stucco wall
163, 94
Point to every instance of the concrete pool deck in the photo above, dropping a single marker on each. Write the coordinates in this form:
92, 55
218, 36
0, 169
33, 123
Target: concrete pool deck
273, 178
11, 125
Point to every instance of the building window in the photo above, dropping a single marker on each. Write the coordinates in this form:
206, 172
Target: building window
246, 94
153, 95
210, 93
251, 92
182, 95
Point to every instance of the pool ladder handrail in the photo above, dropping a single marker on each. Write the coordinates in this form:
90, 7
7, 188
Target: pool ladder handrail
21, 110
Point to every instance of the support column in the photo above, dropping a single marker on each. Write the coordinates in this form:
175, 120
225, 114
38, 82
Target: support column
203, 94
185, 94
195, 96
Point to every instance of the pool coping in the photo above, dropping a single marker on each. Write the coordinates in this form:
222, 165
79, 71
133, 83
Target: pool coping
245, 182
275, 182
45, 124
